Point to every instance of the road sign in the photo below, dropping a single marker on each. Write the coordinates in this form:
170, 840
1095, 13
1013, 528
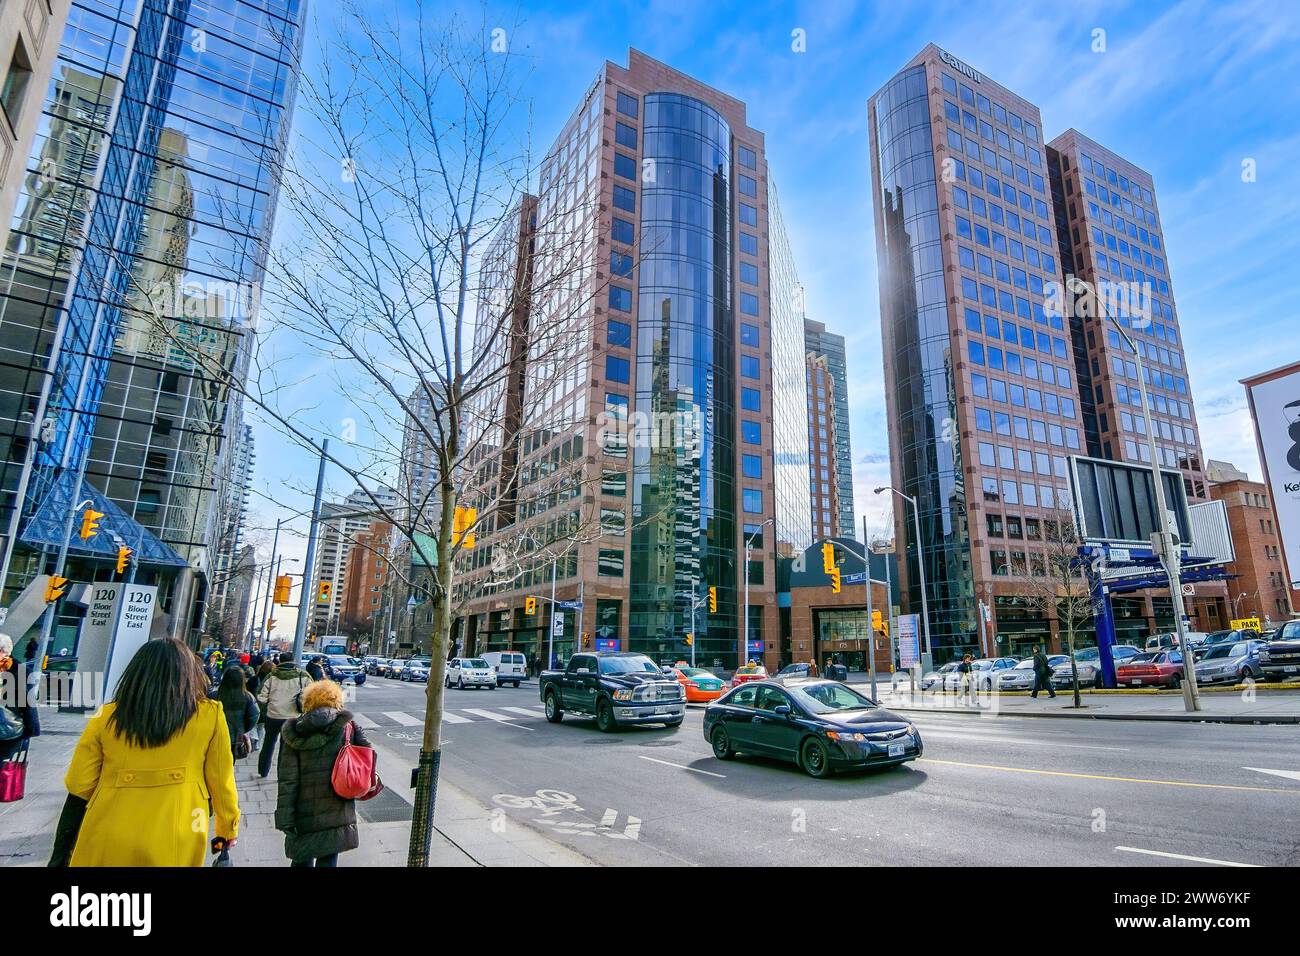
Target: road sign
1245, 624
1189, 590
909, 646
569, 605
557, 626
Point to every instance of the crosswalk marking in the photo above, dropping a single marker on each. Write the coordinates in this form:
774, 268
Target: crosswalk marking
403, 718
449, 718
489, 714
525, 711
364, 722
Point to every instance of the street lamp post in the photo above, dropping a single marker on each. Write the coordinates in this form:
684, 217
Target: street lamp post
927, 655
749, 547
1163, 539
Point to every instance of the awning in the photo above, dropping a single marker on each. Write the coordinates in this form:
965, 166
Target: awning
45, 528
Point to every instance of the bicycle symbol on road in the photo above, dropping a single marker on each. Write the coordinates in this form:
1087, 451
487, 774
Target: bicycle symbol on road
551, 803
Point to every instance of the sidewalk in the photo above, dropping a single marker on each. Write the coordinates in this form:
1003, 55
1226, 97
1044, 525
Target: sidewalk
1218, 705
463, 834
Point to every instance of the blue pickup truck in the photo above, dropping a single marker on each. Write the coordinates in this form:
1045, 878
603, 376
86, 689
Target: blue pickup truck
618, 689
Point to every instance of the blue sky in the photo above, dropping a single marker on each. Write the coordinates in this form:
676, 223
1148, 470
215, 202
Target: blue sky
1188, 91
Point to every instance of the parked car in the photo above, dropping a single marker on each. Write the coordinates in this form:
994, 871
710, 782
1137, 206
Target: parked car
819, 725
1230, 663
1280, 657
799, 669
1089, 664
1220, 638
463, 672
1167, 642
510, 666
1021, 676
748, 672
1151, 669
343, 669
700, 685
985, 671
617, 688
934, 678
415, 669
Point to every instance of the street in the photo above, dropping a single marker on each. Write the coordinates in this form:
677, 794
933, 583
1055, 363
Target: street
1005, 791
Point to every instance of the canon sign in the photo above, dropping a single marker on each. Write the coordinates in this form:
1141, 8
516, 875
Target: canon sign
1275, 405
967, 71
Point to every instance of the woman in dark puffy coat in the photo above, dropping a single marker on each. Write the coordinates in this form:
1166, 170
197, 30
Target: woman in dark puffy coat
317, 823
239, 705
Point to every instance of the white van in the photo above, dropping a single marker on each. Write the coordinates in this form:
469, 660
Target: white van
511, 666
1169, 642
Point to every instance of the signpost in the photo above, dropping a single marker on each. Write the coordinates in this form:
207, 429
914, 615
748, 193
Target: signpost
909, 648
131, 626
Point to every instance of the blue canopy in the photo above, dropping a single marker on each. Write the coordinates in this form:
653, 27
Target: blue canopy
45, 527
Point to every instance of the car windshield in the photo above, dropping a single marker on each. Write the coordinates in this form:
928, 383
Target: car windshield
830, 698
475, 662
421, 661
1145, 658
628, 665
1025, 665
1290, 631
696, 672
751, 669
1087, 654
793, 669
982, 665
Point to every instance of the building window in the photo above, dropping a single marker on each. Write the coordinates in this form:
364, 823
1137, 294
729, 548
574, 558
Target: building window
620, 299
748, 334
625, 135
622, 231
753, 501
620, 333
749, 366
750, 400
610, 563
752, 466
748, 214
748, 303
617, 369
746, 157
17, 77
751, 432
627, 104
624, 199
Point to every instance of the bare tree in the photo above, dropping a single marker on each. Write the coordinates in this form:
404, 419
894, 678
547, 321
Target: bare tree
1054, 583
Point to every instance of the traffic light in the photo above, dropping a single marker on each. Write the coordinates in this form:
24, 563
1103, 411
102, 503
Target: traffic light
835, 580
690, 639
326, 589
54, 588
530, 605
283, 584
90, 523
123, 558
461, 521
828, 557
713, 600
586, 639
877, 621
270, 624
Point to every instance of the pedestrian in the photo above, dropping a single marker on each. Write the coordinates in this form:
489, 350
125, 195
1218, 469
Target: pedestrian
150, 764
18, 720
281, 692
315, 670
1042, 674
240, 708
963, 676
317, 823
812, 667
254, 667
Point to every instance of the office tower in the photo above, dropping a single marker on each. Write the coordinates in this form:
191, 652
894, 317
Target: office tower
29, 40
823, 477
129, 288
341, 523
822, 344
664, 382
366, 582
990, 383
232, 559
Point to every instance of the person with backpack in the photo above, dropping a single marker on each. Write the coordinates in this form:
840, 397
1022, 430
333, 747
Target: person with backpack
281, 692
317, 823
241, 710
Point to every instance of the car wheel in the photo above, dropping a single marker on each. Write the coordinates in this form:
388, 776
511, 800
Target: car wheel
516, 684
492, 686
605, 721
553, 712
721, 744
1099, 682
460, 682
674, 723
814, 759
1175, 682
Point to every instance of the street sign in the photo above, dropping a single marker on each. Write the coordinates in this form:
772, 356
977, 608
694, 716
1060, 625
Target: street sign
1189, 590
857, 577
569, 605
1245, 624
134, 621
1119, 555
909, 646
557, 626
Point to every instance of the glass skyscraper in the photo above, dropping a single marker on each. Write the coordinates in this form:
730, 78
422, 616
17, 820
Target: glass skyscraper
130, 283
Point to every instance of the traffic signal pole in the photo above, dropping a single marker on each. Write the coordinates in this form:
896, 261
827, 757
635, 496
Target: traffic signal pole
309, 564
871, 626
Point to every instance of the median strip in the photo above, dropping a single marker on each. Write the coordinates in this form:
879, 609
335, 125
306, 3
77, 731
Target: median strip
666, 763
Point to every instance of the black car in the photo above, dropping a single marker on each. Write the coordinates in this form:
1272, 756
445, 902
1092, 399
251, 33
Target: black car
820, 725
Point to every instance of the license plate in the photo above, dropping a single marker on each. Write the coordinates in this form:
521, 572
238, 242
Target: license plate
1290, 670
1136, 681
897, 747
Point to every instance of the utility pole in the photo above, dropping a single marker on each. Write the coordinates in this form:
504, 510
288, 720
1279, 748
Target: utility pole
270, 584
550, 645
749, 547
871, 627
300, 632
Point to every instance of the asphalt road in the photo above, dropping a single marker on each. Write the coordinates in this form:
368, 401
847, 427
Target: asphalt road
989, 791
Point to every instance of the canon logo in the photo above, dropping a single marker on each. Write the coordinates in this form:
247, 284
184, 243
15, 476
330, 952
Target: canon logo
967, 71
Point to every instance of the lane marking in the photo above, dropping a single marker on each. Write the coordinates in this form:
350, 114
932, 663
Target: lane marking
1180, 856
1014, 740
490, 715
527, 712
364, 722
1098, 776
666, 763
403, 718
1288, 774
449, 718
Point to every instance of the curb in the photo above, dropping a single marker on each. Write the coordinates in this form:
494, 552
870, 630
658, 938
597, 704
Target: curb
1197, 718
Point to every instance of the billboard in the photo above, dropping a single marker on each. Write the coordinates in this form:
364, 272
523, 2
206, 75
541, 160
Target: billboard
1115, 501
1275, 405
909, 648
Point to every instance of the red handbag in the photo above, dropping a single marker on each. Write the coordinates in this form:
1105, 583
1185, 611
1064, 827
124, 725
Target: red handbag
13, 777
354, 776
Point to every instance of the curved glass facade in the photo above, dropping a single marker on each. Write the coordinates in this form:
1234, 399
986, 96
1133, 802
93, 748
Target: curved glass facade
915, 327
684, 498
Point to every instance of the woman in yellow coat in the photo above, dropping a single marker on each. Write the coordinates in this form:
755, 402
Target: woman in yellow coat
152, 765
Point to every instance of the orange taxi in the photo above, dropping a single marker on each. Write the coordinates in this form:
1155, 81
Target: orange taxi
700, 685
